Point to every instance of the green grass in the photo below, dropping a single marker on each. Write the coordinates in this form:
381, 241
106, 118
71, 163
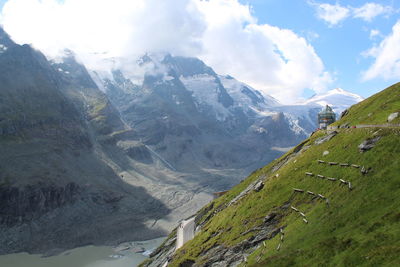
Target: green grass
360, 227
375, 109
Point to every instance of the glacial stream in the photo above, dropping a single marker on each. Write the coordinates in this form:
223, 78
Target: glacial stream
129, 254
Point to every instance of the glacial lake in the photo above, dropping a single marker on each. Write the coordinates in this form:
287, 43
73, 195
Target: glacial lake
89, 256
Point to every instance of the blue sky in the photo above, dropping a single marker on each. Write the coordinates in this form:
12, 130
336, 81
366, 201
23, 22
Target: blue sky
285, 48
340, 46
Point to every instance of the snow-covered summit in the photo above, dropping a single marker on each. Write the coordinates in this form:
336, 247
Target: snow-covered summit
337, 98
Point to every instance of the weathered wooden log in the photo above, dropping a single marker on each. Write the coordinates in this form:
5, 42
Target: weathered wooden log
331, 179
278, 247
293, 208
309, 174
311, 193
355, 166
264, 244
298, 190
281, 237
343, 181
321, 196
302, 214
350, 187
344, 164
305, 220
320, 176
333, 163
321, 161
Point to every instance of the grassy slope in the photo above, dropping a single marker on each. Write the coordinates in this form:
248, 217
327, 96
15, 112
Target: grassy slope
360, 227
375, 109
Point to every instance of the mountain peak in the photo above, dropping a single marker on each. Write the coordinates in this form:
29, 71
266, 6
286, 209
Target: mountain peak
337, 98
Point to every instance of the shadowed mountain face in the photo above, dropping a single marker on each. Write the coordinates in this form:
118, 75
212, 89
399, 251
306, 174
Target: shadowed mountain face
57, 189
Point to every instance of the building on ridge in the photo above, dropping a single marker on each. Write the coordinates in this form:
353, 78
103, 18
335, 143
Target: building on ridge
326, 117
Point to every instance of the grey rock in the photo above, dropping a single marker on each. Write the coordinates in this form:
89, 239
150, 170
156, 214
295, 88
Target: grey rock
269, 217
259, 186
368, 144
392, 116
344, 113
325, 138
251, 187
345, 126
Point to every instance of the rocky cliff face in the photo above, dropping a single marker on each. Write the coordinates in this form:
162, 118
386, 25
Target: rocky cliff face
58, 186
22, 204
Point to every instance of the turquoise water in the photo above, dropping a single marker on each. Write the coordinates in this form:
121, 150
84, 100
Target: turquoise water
89, 256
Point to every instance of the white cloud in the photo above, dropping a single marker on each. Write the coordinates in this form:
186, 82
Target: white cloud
221, 32
118, 27
369, 11
374, 33
311, 36
333, 14
386, 57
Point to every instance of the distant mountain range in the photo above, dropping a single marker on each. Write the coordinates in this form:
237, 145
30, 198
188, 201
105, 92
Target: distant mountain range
99, 157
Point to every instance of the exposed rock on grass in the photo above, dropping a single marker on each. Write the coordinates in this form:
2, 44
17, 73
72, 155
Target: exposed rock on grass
392, 116
325, 138
368, 144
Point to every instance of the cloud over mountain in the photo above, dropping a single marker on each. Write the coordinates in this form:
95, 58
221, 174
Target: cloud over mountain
224, 33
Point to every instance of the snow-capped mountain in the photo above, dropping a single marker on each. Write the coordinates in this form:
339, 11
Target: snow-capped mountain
338, 99
196, 119
303, 115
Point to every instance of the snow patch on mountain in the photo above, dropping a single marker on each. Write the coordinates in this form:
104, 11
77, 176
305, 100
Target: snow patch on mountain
3, 48
338, 99
246, 97
205, 89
